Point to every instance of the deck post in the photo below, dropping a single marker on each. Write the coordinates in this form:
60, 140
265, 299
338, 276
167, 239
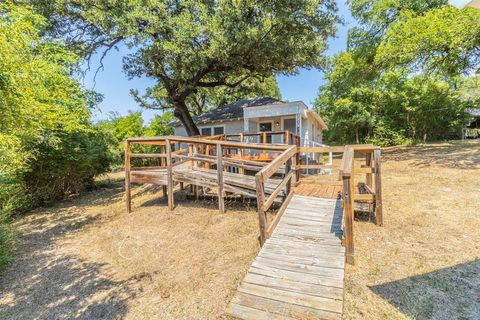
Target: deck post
241, 152
297, 161
348, 207
262, 220
368, 163
169, 174
221, 203
190, 153
288, 167
196, 165
128, 194
162, 160
377, 156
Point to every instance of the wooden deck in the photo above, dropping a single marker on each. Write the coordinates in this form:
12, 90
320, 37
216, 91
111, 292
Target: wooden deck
299, 271
327, 191
232, 182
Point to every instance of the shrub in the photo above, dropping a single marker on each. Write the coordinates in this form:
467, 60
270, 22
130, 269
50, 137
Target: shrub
48, 145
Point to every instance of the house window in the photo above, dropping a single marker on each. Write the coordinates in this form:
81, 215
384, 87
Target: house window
266, 126
218, 130
206, 131
289, 125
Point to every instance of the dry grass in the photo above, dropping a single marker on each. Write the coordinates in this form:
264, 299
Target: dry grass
424, 263
86, 258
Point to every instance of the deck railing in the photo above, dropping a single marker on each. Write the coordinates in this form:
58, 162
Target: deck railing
285, 137
204, 153
285, 159
200, 153
347, 172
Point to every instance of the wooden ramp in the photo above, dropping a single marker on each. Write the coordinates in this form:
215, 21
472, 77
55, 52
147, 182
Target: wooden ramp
298, 273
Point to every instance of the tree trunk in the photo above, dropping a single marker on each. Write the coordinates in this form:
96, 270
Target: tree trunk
357, 136
181, 112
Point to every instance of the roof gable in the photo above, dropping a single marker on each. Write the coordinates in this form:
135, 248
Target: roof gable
232, 111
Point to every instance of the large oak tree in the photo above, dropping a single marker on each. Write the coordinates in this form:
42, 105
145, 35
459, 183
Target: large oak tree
191, 45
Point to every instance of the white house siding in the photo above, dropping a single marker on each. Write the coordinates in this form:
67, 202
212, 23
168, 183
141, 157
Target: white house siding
308, 134
273, 111
270, 113
230, 127
180, 131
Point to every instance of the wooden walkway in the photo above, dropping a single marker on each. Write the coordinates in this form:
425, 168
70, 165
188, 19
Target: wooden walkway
299, 271
327, 190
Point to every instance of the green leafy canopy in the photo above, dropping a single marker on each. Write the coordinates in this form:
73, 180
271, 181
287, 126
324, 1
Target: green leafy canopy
191, 45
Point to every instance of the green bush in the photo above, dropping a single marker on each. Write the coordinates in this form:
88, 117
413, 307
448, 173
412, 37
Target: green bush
49, 147
119, 128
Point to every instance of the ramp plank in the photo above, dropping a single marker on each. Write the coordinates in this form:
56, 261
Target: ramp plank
299, 271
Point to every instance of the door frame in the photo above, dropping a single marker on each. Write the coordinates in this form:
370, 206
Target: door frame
267, 121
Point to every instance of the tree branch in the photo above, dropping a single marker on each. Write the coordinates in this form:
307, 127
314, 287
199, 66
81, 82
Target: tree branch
223, 82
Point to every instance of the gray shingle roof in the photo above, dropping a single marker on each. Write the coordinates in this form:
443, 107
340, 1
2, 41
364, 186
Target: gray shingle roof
232, 111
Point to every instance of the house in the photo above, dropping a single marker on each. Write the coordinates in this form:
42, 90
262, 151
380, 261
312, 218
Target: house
261, 114
472, 131
465, 3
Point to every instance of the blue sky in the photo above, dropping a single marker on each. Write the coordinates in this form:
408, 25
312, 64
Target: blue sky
115, 86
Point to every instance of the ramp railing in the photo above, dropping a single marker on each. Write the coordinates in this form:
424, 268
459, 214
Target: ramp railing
286, 160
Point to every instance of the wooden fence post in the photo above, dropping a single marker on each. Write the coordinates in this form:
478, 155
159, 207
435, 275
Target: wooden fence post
348, 212
368, 176
128, 194
262, 220
162, 160
241, 152
377, 157
221, 203
297, 161
288, 167
169, 174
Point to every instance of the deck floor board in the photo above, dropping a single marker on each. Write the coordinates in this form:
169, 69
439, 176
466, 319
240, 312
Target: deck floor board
299, 271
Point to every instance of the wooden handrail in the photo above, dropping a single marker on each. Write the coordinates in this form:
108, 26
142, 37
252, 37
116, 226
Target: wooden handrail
221, 204
148, 155
270, 169
347, 172
277, 190
128, 193
260, 133
285, 158
346, 165
333, 149
223, 143
169, 174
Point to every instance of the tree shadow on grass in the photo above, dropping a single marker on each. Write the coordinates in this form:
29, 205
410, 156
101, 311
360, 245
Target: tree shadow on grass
449, 293
458, 155
185, 199
44, 283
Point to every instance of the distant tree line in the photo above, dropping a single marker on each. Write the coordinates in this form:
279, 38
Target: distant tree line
405, 74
